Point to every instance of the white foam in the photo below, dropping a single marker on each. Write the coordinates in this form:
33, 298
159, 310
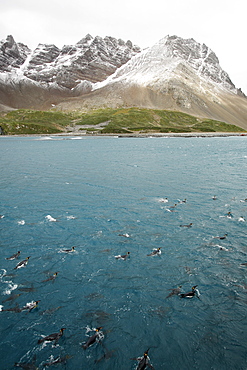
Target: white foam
45, 138
3, 273
88, 329
163, 200
100, 333
50, 218
10, 288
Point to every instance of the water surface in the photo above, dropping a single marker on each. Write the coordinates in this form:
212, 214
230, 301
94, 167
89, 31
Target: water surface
98, 189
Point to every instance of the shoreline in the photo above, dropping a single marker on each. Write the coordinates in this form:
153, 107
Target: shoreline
185, 134
135, 135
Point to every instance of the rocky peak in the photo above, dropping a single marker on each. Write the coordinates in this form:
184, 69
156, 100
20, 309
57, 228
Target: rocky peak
44, 53
12, 54
91, 59
198, 56
85, 40
174, 58
10, 47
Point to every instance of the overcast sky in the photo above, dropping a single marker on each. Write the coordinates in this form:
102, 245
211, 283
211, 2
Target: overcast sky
220, 24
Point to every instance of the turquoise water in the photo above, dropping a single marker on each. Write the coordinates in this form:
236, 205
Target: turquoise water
98, 189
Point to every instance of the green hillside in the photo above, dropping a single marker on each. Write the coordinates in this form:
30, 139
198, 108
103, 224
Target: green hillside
109, 121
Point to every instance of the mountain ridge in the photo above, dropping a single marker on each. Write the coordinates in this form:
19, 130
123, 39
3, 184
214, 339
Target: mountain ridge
175, 73
41, 78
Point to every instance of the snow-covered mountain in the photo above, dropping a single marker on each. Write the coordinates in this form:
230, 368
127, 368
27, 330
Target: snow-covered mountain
167, 59
175, 73
91, 59
34, 79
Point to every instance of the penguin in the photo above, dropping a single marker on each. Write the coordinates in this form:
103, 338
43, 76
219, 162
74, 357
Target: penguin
58, 360
122, 257
30, 306
223, 248
189, 225
194, 292
155, 252
50, 311
175, 205
12, 297
182, 201
69, 250
52, 337
143, 361
27, 365
172, 208
14, 256
93, 338
221, 237
241, 219
22, 263
126, 235
52, 277
28, 289
175, 291
12, 309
